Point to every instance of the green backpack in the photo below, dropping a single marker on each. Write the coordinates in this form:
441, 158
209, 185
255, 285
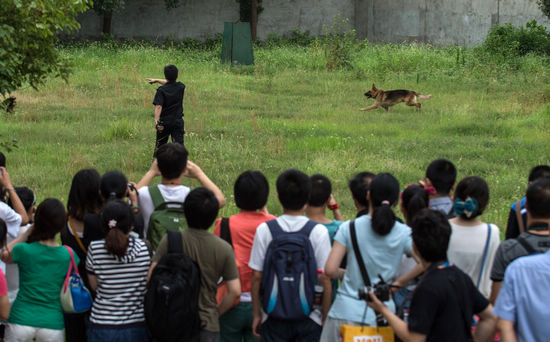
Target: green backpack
166, 216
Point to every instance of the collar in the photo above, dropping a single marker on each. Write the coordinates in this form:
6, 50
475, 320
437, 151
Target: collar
362, 212
538, 226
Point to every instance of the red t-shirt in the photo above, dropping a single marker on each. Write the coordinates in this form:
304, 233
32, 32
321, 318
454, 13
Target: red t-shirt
243, 228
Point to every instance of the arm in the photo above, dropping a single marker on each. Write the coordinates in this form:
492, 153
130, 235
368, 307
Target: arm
495, 289
485, 329
153, 265
233, 292
158, 110
336, 211
156, 80
15, 201
256, 306
332, 266
194, 171
404, 279
149, 175
327, 296
507, 331
4, 307
92, 279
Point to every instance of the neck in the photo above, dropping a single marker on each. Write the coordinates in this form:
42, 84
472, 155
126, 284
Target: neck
172, 182
293, 212
539, 221
317, 214
463, 222
50, 242
437, 195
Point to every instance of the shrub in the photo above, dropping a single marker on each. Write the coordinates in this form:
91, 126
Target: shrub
508, 40
338, 44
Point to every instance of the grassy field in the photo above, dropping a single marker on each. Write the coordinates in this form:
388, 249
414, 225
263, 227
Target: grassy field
491, 119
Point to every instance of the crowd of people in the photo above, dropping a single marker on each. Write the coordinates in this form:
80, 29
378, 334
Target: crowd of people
438, 274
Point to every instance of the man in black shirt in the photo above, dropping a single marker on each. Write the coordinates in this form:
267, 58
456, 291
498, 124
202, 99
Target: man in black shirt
168, 107
446, 299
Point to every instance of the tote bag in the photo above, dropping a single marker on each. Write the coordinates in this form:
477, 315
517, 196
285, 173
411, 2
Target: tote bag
75, 297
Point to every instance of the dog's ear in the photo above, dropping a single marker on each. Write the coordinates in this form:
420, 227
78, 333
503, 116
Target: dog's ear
373, 87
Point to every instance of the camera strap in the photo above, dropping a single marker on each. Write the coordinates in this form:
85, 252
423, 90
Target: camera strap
358, 255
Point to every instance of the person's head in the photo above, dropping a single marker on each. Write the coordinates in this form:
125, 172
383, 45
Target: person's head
2, 159
28, 199
321, 188
540, 171
201, 208
251, 191
171, 160
442, 175
538, 199
431, 232
117, 221
84, 195
113, 184
49, 219
383, 194
471, 197
293, 189
170, 73
413, 199
359, 185
3, 233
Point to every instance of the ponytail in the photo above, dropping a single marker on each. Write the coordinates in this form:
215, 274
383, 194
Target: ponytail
116, 242
383, 219
384, 192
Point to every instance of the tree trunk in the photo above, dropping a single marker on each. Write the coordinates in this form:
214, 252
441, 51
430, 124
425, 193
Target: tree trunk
253, 18
107, 21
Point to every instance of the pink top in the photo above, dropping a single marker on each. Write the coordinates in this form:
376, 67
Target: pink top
3, 284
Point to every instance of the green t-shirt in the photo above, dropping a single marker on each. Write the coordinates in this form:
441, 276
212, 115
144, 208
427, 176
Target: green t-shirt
215, 259
42, 271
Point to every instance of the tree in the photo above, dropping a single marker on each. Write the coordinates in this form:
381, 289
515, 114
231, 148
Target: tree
28, 31
106, 8
544, 7
248, 12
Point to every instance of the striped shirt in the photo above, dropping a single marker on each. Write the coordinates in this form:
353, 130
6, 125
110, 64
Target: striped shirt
121, 283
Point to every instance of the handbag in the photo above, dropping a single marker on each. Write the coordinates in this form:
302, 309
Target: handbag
74, 296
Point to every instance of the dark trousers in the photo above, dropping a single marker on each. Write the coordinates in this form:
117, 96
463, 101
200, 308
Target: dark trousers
174, 129
75, 327
276, 330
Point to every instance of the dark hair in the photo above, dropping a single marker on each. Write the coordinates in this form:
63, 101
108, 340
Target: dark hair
84, 194
171, 73
117, 221
251, 190
442, 175
293, 188
538, 198
413, 199
113, 185
2, 159
26, 196
540, 171
359, 186
50, 218
473, 187
431, 232
321, 188
171, 160
383, 187
3, 233
201, 208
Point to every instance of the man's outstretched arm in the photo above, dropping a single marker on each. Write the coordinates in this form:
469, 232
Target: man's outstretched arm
156, 80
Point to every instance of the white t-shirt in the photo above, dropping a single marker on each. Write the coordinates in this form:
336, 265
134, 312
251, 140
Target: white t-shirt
466, 248
13, 223
169, 193
12, 271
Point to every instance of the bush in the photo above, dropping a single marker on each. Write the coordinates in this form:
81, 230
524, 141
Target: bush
510, 41
338, 44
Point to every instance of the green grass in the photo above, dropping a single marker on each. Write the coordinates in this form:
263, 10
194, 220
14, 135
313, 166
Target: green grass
491, 119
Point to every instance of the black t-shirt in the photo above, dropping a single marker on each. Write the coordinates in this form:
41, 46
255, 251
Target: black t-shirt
443, 305
170, 97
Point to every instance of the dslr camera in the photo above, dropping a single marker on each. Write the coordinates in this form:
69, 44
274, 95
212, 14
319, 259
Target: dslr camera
380, 289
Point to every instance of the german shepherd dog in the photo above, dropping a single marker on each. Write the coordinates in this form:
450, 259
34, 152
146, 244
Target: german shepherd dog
386, 99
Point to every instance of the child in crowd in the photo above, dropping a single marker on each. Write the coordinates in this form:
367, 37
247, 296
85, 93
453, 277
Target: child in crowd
440, 180
321, 198
117, 270
293, 189
473, 243
359, 185
251, 191
382, 241
43, 264
517, 218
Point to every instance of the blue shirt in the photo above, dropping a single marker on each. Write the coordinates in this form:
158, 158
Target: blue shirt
525, 297
381, 255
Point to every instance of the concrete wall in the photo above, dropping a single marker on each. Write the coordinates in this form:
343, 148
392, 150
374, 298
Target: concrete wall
440, 22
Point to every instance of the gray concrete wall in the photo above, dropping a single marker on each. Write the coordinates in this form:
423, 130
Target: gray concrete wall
440, 22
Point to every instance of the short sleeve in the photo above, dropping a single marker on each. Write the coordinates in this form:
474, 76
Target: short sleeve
320, 241
17, 253
90, 265
217, 227
479, 302
3, 284
407, 240
505, 306
423, 311
162, 249
259, 248
499, 264
230, 270
343, 235
159, 98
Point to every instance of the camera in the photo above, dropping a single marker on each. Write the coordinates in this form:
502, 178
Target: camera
131, 187
380, 289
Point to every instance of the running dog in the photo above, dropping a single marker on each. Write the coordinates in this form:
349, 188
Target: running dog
386, 99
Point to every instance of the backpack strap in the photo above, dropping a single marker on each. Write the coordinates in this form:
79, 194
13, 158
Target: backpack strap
519, 217
485, 251
225, 232
274, 228
358, 256
308, 227
526, 245
156, 196
175, 242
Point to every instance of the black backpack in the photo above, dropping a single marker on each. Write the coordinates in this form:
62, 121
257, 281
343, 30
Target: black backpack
172, 297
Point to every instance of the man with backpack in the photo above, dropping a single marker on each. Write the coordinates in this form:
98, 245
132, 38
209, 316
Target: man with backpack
286, 255
172, 165
192, 286
535, 240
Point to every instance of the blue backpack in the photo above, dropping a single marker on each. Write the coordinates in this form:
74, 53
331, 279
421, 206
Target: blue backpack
289, 274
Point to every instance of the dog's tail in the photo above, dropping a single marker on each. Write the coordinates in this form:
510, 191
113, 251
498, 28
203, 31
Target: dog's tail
423, 97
